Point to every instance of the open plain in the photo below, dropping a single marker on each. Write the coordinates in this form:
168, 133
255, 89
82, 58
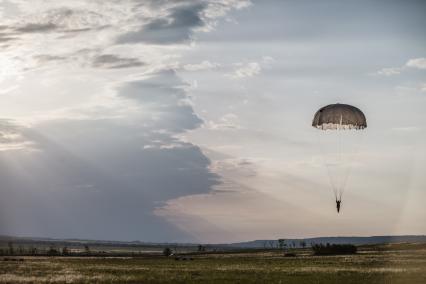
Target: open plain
398, 263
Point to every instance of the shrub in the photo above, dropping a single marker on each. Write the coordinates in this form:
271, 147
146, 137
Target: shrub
290, 254
333, 249
52, 251
167, 252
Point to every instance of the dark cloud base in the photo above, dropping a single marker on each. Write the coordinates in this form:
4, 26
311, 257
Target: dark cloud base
175, 28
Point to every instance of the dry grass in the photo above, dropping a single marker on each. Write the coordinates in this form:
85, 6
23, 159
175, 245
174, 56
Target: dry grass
383, 265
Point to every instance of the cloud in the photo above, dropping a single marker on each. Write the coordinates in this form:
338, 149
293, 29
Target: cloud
98, 180
164, 95
176, 27
60, 29
104, 176
245, 70
204, 65
242, 167
100, 152
419, 63
111, 61
37, 28
228, 121
42, 58
389, 71
12, 137
180, 21
6, 38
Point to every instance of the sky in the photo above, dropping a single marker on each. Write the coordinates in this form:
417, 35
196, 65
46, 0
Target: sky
190, 120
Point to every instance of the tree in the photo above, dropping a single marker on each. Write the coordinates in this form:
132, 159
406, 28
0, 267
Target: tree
52, 251
281, 243
201, 248
11, 249
65, 251
33, 250
167, 252
87, 249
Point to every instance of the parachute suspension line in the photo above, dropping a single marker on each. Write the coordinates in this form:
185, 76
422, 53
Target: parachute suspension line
353, 159
327, 166
339, 189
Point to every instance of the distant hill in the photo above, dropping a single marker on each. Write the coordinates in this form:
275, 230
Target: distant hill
257, 244
333, 240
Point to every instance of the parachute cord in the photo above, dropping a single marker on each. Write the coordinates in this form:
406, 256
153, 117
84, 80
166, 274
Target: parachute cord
339, 190
330, 178
350, 167
340, 166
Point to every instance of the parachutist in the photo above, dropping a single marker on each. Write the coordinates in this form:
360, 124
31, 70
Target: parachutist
338, 205
337, 117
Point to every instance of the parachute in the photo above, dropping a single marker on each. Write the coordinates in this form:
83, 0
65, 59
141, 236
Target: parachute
339, 116
333, 120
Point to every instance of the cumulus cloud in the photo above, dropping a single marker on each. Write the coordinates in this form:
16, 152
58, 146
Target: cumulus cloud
204, 65
163, 94
106, 182
389, 71
103, 170
227, 121
176, 27
245, 70
107, 147
419, 63
55, 28
180, 21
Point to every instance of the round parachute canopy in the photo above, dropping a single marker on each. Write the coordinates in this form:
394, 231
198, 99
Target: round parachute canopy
339, 116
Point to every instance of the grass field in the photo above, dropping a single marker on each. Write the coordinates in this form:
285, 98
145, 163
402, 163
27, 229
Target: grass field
373, 264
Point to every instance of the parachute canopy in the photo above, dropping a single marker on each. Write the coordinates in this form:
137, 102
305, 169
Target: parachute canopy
339, 116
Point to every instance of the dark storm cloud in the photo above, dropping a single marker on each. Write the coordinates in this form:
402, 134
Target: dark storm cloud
95, 180
111, 61
104, 178
177, 27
